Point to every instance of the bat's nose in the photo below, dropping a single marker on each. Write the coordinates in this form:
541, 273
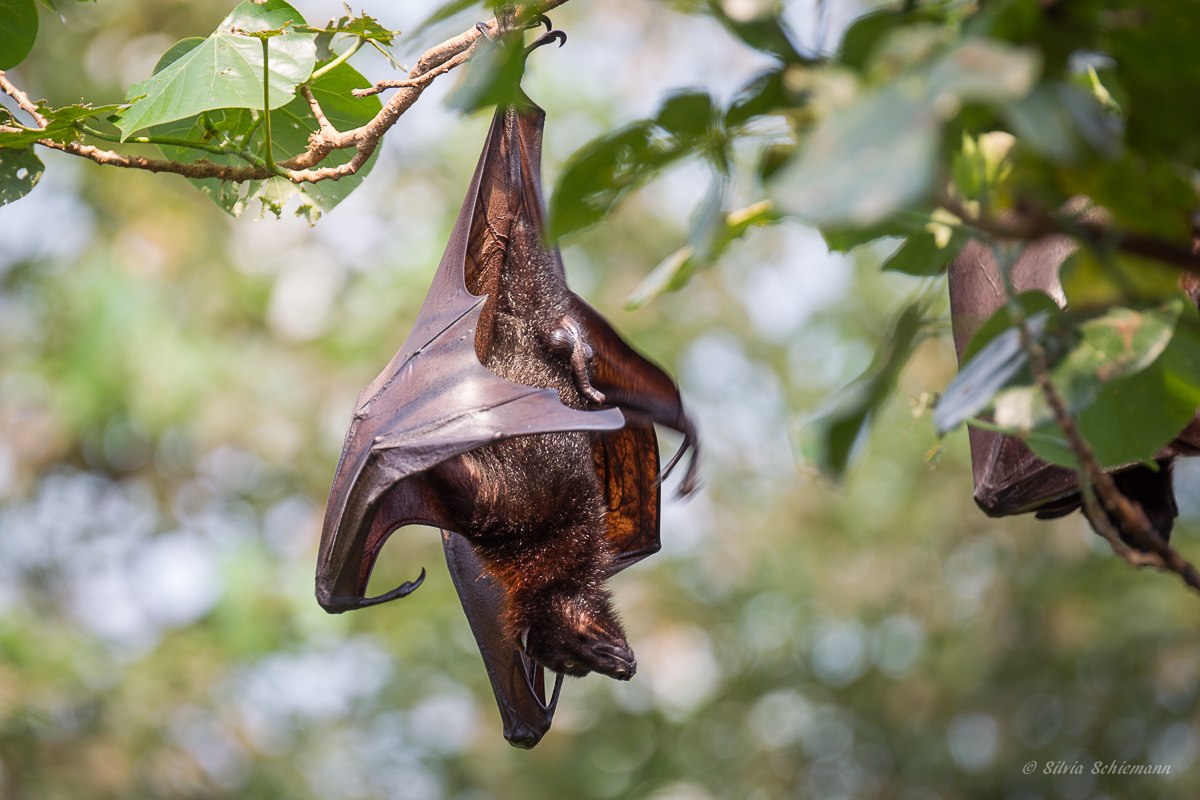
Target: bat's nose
615, 661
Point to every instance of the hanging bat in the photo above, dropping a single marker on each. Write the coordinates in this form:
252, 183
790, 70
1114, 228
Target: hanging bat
1009, 478
519, 422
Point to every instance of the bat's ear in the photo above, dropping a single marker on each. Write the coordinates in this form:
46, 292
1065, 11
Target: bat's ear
517, 681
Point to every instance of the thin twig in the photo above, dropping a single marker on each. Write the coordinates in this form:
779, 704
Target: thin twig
423, 79
1133, 518
1103, 526
1028, 224
343, 58
436, 61
22, 99
215, 149
322, 121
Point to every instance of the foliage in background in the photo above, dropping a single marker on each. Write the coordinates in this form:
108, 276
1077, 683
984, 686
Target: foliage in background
174, 386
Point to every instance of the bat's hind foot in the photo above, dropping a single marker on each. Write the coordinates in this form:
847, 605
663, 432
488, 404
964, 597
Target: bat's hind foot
547, 38
568, 338
538, 21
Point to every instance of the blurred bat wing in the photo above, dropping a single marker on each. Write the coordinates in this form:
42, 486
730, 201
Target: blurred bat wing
1009, 478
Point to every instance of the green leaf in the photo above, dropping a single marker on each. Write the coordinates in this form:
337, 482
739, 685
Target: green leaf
1150, 196
843, 240
1031, 303
984, 70
1154, 51
866, 160
492, 77
600, 172
986, 372
364, 27
226, 70
925, 253
901, 224
1133, 418
686, 115
773, 157
18, 31
862, 162
860, 39
177, 51
766, 32
851, 415
764, 94
290, 128
20, 171
1117, 344
59, 125
711, 236
1058, 120
1095, 280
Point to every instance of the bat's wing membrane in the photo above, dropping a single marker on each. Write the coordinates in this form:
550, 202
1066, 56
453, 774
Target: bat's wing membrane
433, 401
639, 388
518, 683
627, 462
1009, 478
630, 382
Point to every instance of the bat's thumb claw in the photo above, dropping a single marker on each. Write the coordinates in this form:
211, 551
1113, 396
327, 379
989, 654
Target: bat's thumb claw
403, 590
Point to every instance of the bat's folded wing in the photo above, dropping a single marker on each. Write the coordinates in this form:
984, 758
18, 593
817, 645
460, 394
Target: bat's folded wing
517, 681
627, 463
438, 403
1009, 478
638, 387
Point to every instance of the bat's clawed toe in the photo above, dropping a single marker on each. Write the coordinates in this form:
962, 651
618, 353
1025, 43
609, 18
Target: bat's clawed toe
541, 19
547, 38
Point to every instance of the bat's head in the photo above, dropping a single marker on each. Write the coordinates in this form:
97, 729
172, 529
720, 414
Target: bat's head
577, 633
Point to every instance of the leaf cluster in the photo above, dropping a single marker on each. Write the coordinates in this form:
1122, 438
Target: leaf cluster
235, 97
936, 123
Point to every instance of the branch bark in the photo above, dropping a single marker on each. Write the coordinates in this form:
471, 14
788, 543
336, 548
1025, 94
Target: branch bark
436, 61
1029, 224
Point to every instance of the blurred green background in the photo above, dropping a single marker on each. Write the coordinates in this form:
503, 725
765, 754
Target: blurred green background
174, 390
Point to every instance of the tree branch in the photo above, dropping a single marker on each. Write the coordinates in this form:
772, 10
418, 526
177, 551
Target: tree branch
1031, 223
1158, 553
436, 61
22, 99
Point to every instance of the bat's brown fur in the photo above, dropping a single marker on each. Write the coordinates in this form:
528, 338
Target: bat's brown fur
533, 507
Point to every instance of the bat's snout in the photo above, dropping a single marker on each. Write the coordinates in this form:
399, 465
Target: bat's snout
614, 661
